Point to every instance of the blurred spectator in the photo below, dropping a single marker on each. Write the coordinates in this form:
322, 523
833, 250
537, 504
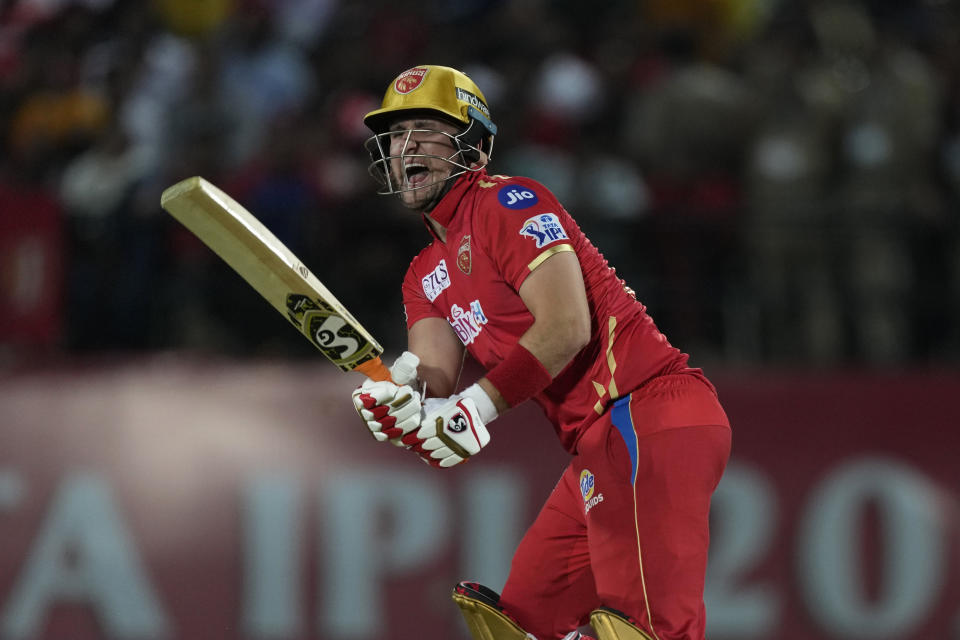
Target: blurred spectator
890, 119
790, 305
31, 261
687, 129
113, 252
262, 77
155, 77
57, 114
197, 19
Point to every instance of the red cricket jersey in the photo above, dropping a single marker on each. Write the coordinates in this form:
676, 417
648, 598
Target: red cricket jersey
499, 229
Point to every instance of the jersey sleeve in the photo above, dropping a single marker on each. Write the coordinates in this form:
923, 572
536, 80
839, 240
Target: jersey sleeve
525, 225
416, 305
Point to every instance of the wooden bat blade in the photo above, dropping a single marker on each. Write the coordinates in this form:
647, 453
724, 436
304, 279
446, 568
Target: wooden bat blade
244, 243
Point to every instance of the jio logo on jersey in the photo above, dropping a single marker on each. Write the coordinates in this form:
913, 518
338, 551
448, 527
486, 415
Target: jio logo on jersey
544, 229
514, 196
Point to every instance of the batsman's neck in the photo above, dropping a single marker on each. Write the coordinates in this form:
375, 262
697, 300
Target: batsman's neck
438, 228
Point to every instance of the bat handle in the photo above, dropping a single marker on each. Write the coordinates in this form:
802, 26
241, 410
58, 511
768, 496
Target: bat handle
374, 369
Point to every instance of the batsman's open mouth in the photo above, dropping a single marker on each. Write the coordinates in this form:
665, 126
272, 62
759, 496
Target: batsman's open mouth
415, 174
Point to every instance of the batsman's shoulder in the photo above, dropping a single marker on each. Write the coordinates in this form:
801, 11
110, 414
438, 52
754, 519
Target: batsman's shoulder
515, 194
416, 261
425, 260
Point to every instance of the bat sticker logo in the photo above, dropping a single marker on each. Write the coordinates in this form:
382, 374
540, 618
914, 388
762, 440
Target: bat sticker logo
330, 333
326, 334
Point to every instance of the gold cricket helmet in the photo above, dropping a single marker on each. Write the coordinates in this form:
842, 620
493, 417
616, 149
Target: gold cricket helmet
442, 91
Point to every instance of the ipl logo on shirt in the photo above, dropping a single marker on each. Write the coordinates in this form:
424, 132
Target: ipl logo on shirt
587, 487
544, 229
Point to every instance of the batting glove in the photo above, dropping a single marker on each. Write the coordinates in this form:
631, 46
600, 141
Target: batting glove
452, 429
391, 409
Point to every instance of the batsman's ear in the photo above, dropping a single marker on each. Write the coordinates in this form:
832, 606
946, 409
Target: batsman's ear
475, 142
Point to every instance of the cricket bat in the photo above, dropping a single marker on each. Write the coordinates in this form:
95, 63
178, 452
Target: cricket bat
276, 273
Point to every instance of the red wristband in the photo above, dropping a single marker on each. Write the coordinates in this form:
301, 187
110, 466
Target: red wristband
520, 376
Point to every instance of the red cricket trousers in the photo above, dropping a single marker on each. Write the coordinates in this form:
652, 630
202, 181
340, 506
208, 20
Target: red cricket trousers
627, 526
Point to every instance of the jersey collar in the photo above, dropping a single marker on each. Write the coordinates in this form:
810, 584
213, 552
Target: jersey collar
446, 209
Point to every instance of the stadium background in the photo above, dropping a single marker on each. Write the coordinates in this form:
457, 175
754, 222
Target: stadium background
777, 180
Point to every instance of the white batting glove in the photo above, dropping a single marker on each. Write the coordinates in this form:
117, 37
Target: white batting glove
391, 409
452, 429
404, 369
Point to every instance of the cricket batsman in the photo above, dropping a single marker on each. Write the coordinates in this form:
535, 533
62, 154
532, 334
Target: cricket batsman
621, 542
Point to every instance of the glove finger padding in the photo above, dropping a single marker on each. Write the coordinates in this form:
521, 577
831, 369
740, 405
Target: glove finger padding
451, 432
389, 411
404, 418
373, 393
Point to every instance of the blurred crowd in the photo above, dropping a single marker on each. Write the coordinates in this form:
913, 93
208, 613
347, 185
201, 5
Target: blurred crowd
779, 181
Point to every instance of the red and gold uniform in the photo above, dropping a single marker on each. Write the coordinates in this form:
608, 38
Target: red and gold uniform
627, 525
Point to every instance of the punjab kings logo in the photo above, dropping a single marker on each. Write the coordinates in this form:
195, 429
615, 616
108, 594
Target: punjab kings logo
409, 80
588, 483
464, 261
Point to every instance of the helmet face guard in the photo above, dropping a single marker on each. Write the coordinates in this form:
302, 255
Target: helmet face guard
437, 92
462, 159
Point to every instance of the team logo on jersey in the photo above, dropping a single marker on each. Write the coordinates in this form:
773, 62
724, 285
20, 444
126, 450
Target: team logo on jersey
591, 497
513, 196
467, 324
436, 281
544, 229
410, 80
464, 260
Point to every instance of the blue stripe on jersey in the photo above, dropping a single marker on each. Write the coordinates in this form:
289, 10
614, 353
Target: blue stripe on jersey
621, 419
